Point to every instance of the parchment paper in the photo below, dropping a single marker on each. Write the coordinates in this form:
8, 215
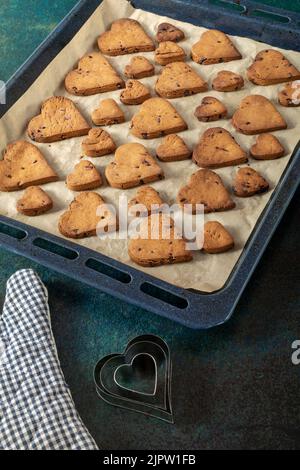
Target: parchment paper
206, 272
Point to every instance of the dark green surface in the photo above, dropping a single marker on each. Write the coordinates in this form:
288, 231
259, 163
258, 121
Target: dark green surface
24, 24
234, 386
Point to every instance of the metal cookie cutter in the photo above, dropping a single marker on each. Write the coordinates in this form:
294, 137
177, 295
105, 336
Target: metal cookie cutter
139, 379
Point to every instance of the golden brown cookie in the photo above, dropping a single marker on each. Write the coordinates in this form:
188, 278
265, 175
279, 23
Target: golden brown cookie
35, 201
126, 36
24, 165
168, 52
108, 113
205, 187
249, 182
270, 67
98, 143
267, 147
169, 32
290, 94
217, 148
84, 176
93, 75
156, 118
214, 47
132, 166
179, 79
134, 93
256, 114
159, 243
227, 81
139, 67
211, 109
145, 202
87, 213
59, 119
173, 149
216, 238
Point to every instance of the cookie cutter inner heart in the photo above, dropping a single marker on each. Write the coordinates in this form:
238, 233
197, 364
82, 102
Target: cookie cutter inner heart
139, 374
139, 379
137, 348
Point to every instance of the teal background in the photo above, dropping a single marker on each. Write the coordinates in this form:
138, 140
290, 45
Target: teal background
234, 387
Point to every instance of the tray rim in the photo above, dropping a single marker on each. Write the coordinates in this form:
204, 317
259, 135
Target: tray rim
204, 310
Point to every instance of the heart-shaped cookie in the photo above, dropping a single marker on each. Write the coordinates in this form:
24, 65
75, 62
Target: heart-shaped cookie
249, 182
139, 67
132, 166
35, 201
86, 215
217, 148
267, 147
214, 47
84, 176
169, 32
227, 81
156, 118
145, 202
216, 238
179, 79
211, 109
205, 187
125, 36
173, 149
290, 94
93, 75
256, 114
24, 165
59, 120
108, 113
134, 93
271, 66
168, 52
159, 243
98, 143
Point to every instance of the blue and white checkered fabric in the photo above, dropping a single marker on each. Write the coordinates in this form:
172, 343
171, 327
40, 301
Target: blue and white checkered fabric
36, 407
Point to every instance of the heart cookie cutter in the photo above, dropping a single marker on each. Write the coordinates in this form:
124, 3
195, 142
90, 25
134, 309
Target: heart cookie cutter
146, 361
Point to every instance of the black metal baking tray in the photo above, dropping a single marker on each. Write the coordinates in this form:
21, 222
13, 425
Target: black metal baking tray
197, 310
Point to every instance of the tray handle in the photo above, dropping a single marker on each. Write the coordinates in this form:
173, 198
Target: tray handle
64, 256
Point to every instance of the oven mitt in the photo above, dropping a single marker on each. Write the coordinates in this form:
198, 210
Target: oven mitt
36, 408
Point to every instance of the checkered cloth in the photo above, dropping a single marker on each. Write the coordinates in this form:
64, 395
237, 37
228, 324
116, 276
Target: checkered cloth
36, 407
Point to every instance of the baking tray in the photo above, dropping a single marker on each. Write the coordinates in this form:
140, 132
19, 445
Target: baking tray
194, 309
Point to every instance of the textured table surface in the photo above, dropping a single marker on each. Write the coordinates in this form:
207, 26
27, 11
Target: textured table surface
235, 386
